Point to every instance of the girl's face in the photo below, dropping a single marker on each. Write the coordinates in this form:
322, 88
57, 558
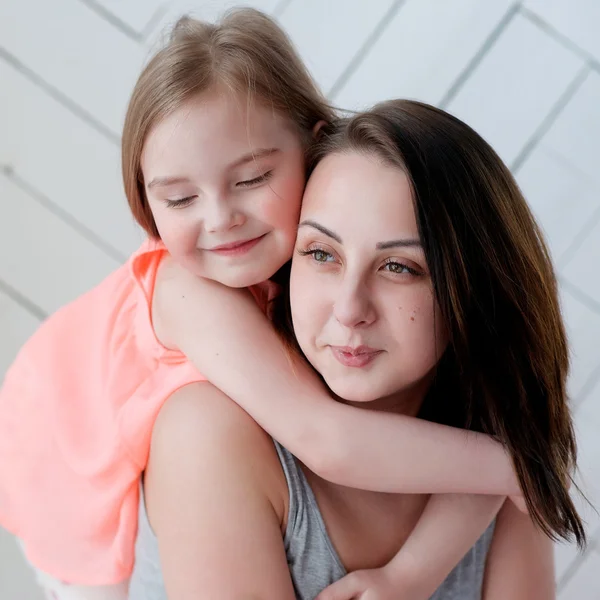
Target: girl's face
224, 182
362, 303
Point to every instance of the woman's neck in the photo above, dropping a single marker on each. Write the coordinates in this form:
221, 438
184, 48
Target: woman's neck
382, 522
405, 402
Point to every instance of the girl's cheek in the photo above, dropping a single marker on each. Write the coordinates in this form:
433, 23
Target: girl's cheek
283, 209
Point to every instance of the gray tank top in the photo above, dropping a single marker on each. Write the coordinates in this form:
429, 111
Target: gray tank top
313, 561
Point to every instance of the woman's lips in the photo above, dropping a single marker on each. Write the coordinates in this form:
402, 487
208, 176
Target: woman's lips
357, 357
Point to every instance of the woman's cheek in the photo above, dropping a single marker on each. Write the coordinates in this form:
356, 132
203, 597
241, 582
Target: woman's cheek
300, 286
305, 298
421, 329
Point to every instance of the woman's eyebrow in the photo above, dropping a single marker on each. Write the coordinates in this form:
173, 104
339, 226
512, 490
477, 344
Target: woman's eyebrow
322, 229
402, 243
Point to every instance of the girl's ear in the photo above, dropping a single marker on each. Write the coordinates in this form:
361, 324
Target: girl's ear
316, 130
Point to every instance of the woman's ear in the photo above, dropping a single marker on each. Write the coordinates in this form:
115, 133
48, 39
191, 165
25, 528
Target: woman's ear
316, 130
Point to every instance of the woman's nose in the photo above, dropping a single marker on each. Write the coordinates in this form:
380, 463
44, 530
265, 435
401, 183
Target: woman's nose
353, 306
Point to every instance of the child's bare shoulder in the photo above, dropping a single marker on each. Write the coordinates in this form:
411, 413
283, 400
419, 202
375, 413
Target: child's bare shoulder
180, 295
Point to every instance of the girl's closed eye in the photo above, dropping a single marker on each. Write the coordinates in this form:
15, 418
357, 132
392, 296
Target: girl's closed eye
186, 201
179, 202
256, 180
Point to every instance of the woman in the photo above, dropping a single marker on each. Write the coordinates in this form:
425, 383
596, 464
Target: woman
418, 269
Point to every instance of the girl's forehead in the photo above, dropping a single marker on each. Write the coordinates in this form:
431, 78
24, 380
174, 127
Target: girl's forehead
218, 122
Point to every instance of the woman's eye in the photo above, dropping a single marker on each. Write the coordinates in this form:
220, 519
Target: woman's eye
256, 181
399, 268
318, 255
180, 202
321, 255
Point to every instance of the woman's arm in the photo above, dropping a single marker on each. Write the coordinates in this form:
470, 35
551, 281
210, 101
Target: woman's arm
520, 563
226, 336
219, 531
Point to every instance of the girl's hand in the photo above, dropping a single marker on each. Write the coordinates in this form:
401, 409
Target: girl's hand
370, 584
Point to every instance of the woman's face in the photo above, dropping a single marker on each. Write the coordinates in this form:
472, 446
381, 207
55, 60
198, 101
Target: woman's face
362, 302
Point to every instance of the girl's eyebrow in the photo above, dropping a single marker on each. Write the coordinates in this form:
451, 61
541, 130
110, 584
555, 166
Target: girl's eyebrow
400, 243
254, 155
246, 158
166, 181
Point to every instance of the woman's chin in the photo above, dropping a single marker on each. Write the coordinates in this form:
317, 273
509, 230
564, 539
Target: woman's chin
373, 395
346, 392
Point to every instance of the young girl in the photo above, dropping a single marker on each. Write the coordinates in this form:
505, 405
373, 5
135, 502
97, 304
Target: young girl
221, 208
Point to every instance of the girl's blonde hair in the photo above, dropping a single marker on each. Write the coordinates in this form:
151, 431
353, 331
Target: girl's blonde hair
246, 52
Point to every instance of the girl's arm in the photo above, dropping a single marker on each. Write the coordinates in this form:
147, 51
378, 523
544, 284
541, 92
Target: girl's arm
449, 526
226, 336
218, 526
520, 563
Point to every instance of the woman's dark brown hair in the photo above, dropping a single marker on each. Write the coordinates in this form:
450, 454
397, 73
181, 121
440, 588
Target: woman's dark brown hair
505, 368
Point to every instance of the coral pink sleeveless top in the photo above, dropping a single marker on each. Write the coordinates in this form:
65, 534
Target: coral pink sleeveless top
77, 409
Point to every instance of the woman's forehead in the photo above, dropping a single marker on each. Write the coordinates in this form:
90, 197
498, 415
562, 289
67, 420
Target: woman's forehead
358, 189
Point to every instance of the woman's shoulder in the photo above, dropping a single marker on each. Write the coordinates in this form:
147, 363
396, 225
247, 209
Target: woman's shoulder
203, 429
520, 562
